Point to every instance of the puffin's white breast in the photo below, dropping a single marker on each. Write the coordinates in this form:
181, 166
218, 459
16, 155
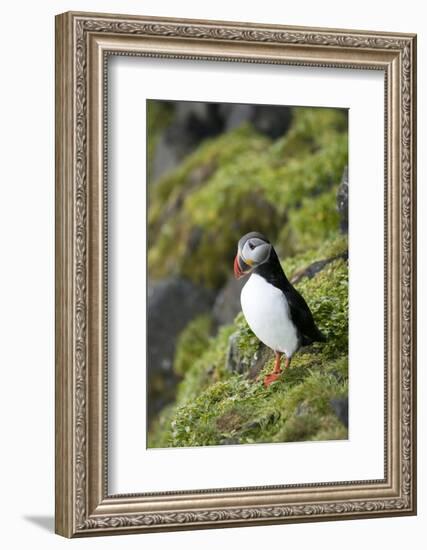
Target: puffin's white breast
267, 312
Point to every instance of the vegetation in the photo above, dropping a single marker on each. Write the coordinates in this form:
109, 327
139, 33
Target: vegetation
216, 406
197, 213
288, 186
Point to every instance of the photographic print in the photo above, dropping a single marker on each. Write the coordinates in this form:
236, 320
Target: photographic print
247, 315
209, 307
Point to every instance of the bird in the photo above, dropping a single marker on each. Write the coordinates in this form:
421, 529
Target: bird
275, 311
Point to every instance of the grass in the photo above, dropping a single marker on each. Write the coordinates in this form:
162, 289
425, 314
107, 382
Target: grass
215, 406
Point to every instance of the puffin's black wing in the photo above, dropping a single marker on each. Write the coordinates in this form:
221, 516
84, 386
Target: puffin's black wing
302, 317
299, 311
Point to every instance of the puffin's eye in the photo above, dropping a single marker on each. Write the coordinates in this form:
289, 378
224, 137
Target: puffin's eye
251, 246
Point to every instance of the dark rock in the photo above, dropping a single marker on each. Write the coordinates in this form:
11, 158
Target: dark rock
236, 363
314, 268
270, 120
340, 408
172, 303
260, 358
259, 423
165, 159
235, 114
227, 302
342, 201
251, 426
194, 239
194, 121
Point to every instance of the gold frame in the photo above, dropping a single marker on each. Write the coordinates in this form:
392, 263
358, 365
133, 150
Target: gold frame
83, 43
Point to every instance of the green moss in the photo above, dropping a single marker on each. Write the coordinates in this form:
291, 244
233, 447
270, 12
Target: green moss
187, 212
316, 221
159, 436
212, 153
287, 186
215, 406
247, 342
236, 410
327, 296
208, 368
297, 178
192, 343
335, 245
311, 129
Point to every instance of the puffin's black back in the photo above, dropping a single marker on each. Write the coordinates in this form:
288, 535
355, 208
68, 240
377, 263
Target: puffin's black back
299, 311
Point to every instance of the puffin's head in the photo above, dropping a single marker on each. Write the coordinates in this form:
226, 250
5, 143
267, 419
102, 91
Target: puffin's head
253, 250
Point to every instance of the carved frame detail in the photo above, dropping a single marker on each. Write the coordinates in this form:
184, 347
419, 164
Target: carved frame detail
83, 42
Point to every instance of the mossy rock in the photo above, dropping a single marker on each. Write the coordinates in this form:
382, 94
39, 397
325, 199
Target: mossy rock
240, 180
215, 406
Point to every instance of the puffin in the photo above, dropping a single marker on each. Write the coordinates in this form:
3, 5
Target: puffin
275, 311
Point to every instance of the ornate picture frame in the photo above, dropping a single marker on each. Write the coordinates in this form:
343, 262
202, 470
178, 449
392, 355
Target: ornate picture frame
83, 43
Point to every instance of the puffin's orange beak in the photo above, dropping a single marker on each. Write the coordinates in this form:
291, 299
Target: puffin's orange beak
237, 271
239, 267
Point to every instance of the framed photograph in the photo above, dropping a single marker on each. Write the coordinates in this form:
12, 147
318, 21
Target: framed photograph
235, 274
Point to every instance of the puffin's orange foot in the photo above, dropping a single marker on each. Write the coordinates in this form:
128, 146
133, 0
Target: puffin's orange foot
270, 378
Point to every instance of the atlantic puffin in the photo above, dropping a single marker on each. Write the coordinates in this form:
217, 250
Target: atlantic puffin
275, 311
